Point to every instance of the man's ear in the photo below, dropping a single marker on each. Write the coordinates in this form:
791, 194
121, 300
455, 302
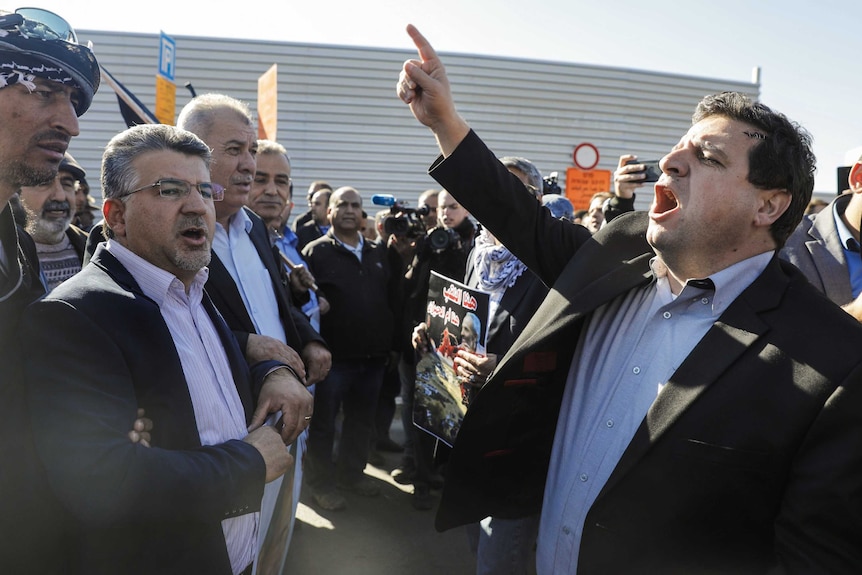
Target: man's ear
855, 178
114, 211
773, 205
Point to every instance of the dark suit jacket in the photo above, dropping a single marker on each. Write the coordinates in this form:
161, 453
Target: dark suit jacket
224, 293
747, 460
136, 509
815, 248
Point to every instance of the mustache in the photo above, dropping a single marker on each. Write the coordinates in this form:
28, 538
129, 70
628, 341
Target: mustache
55, 206
193, 222
53, 136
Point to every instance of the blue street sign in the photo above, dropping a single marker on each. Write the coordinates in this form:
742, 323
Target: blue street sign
167, 57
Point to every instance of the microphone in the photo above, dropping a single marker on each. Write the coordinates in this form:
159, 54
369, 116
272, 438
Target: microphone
383, 200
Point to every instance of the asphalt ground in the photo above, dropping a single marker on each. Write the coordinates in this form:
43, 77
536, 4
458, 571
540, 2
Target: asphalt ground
381, 535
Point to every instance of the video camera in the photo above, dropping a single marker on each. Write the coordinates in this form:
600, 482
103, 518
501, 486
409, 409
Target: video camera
407, 222
403, 221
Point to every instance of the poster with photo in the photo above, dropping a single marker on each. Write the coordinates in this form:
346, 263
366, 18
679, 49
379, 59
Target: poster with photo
457, 318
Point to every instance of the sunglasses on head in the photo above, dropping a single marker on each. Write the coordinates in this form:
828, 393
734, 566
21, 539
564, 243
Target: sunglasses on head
39, 23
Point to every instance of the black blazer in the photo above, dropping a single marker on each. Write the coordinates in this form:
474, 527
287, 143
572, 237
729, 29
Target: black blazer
516, 308
224, 293
747, 460
136, 509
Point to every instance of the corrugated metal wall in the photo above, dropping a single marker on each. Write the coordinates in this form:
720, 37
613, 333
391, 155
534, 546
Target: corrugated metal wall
341, 121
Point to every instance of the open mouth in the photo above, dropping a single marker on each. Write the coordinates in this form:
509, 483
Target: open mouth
196, 234
665, 201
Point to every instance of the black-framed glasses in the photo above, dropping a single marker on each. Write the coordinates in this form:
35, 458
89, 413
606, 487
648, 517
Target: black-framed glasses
39, 23
173, 189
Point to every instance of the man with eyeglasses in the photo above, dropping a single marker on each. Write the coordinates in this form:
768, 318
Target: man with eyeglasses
47, 80
190, 503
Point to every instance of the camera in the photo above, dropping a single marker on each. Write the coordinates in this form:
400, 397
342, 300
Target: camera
441, 239
550, 185
403, 221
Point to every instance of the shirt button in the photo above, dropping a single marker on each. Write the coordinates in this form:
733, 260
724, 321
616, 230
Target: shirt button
666, 315
636, 370
610, 423
704, 301
566, 530
584, 477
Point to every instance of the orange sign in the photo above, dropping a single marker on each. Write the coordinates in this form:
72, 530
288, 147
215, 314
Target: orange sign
581, 185
166, 100
267, 104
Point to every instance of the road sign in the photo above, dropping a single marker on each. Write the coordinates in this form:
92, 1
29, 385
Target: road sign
582, 184
166, 100
167, 57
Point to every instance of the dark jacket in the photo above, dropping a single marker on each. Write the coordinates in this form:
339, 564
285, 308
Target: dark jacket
136, 509
307, 233
78, 238
31, 522
363, 297
747, 460
225, 294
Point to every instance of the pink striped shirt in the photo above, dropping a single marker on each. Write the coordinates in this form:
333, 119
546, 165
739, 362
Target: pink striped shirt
218, 410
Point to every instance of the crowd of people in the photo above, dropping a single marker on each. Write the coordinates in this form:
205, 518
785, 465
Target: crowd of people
675, 391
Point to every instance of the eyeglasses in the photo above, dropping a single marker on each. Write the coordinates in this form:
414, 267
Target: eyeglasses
39, 23
178, 189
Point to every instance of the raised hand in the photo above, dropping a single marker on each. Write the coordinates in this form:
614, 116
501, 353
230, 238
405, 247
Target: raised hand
424, 86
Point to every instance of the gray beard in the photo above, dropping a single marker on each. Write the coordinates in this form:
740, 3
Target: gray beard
193, 260
49, 232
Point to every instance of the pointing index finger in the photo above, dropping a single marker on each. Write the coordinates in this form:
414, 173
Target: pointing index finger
426, 51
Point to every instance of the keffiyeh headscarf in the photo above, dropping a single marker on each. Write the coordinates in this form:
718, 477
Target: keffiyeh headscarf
496, 267
24, 73
23, 59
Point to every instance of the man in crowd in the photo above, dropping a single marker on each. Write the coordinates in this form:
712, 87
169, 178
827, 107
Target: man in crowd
355, 277
47, 80
306, 216
682, 401
260, 312
825, 247
271, 198
246, 280
449, 259
189, 503
86, 209
318, 225
50, 210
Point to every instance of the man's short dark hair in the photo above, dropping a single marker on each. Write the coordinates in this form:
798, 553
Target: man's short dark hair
781, 158
119, 176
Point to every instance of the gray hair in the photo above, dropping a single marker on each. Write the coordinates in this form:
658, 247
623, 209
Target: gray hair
534, 176
270, 147
198, 116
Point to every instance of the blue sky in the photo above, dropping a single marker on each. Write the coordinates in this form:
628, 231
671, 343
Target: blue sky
808, 52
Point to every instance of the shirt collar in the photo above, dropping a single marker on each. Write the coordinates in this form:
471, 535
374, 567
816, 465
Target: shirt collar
156, 283
727, 284
237, 223
847, 239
